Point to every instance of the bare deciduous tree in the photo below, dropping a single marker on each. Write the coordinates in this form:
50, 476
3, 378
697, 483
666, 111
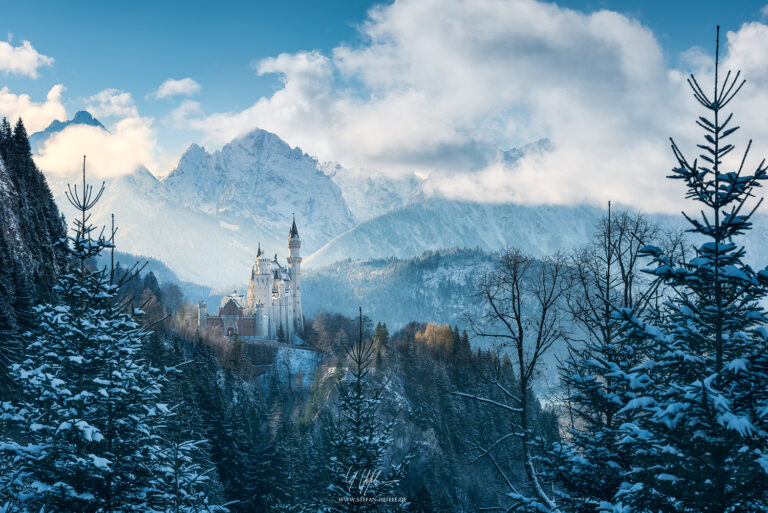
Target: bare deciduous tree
523, 315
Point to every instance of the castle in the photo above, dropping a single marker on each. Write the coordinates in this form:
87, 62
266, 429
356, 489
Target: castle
272, 308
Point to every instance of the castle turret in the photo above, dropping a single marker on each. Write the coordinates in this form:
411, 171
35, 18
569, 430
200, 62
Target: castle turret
294, 261
202, 314
260, 286
259, 320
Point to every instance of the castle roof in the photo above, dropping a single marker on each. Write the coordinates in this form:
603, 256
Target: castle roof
237, 299
294, 233
231, 308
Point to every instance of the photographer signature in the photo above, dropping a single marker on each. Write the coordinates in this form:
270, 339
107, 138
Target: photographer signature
363, 480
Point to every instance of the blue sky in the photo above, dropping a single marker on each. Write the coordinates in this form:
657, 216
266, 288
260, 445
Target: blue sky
134, 46
304, 69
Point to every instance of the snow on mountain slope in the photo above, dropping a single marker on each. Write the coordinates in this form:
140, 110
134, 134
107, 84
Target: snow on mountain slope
437, 223
536, 147
259, 180
191, 242
371, 194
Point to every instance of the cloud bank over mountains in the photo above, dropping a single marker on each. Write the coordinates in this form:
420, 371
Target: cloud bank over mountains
439, 87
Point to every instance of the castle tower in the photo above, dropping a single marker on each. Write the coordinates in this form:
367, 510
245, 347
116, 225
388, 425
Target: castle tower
202, 314
294, 261
260, 318
260, 286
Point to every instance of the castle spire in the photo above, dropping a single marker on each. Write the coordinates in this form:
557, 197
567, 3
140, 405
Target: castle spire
259, 252
294, 233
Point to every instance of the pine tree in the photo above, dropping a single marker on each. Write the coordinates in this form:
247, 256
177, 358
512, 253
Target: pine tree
380, 344
9, 345
280, 334
359, 440
6, 135
381, 335
287, 470
422, 500
186, 477
589, 465
444, 504
699, 428
23, 303
180, 480
150, 282
88, 409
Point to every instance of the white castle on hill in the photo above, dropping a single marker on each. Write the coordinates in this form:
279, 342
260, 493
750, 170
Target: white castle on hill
272, 308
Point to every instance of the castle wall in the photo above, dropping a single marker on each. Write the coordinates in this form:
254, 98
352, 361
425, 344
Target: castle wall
246, 326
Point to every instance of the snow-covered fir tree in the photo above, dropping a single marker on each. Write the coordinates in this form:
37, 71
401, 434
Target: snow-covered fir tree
588, 466
359, 440
181, 480
84, 423
698, 432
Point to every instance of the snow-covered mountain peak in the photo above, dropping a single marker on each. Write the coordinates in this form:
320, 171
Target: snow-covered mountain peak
141, 178
259, 179
268, 152
262, 140
81, 117
194, 160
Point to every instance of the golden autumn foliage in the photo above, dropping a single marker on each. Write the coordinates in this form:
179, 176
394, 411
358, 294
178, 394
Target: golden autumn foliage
436, 336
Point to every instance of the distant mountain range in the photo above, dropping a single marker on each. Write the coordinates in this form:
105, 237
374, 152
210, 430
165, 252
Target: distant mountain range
437, 223
207, 217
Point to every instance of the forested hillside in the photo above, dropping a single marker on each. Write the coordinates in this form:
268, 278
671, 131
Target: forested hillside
30, 227
115, 400
438, 286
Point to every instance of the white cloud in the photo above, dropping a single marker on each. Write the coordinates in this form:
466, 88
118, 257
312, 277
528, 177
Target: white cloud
188, 109
440, 85
172, 87
129, 143
112, 103
36, 115
23, 59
